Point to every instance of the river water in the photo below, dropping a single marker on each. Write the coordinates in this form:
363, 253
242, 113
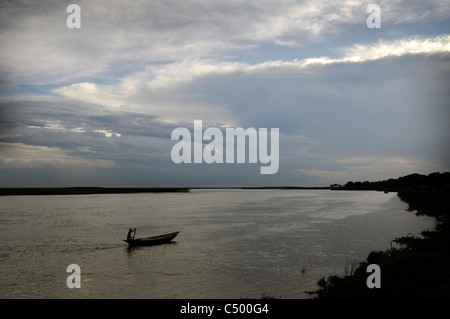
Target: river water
232, 243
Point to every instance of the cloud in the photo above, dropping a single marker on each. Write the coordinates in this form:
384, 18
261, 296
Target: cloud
368, 111
411, 45
165, 90
122, 37
57, 131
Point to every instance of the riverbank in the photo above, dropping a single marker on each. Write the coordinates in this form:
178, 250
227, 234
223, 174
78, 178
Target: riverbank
414, 267
87, 190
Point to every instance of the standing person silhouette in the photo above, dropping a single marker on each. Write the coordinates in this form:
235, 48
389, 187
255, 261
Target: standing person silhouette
130, 231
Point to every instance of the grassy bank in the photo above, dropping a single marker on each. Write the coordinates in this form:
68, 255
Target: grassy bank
417, 267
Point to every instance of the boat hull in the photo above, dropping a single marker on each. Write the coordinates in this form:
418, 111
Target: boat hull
151, 241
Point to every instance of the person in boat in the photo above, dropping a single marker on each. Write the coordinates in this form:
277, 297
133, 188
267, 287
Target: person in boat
130, 231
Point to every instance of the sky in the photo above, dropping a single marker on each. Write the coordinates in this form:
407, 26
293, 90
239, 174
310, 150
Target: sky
96, 105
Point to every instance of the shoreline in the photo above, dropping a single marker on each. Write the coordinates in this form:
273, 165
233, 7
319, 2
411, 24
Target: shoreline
87, 190
420, 268
20, 191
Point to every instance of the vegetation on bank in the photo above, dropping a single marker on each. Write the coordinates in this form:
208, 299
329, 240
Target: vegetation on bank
420, 266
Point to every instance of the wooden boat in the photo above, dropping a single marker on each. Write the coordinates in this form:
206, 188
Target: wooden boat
150, 241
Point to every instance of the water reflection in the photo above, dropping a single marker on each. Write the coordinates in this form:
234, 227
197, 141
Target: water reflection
131, 248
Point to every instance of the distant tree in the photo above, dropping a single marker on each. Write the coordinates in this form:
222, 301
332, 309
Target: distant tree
349, 184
